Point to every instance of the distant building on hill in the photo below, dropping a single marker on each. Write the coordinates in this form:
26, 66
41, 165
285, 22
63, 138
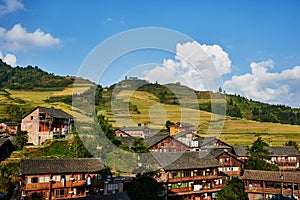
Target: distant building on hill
46, 123
181, 126
132, 131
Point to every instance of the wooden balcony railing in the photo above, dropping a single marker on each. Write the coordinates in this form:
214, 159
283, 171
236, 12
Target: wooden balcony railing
55, 185
190, 190
37, 186
262, 190
192, 178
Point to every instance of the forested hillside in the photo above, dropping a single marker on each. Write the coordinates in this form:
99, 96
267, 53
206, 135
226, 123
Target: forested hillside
28, 78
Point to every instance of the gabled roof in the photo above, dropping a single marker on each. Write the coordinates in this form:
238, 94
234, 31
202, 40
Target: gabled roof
193, 160
57, 113
240, 151
275, 150
151, 141
205, 142
183, 133
60, 165
183, 124
132, 128
276, 176
283, 151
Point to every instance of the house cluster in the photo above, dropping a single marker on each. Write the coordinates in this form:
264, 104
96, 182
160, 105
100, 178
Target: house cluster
191, 167
203, 164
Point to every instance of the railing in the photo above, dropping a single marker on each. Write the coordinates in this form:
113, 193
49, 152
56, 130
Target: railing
190, 190
191, 178
262, 190
69, 184
37, 186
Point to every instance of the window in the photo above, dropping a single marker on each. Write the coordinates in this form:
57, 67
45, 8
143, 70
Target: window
44, 179
56, 177
31, 117
32, 180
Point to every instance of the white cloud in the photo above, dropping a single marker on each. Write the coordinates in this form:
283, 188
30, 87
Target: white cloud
262, 85
195, 65
9, 59
19, 39
10, 6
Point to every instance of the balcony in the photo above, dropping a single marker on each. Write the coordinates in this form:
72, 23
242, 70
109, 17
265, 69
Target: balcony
192, 178
190, 190
261, 190
37, 186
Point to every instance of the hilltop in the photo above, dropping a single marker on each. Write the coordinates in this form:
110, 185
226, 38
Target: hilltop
146, 103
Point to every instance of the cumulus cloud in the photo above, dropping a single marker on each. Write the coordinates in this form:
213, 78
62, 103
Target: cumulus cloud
262, 85
10, 6
195, 65
9, 59
19, 39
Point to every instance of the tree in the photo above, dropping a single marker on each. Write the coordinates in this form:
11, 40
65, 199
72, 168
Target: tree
138, 146
233, 191
168, 124
259, 156
292, 143
22, 138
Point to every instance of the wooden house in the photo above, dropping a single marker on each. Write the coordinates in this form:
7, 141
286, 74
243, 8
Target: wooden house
163, 142
192, 176
46, 123
133, 131
229, 163
188, 137
285, 157
64, 178
267, 185
181, 126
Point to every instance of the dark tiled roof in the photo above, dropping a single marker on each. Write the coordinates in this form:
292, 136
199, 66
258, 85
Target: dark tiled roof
60, 165
183, 133
240, 150
193, 160
57, 113
275, 150
117, 196
283, 150
149, 142
133, 128
290, 177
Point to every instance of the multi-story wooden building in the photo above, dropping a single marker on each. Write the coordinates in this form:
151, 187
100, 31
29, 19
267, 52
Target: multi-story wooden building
285, 157
46, 123
64, 178
229, 164
181, 126
265, 185
163, 142
193, 176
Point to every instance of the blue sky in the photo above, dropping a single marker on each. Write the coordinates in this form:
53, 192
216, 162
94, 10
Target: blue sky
256, 43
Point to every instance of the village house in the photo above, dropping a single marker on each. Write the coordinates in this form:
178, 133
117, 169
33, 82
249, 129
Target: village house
265, 185
6, 148
192, 176
163, 142
188, 137
285, 157
229, 164
65, 178
9, 128
46, 123
133, 131
181, 126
